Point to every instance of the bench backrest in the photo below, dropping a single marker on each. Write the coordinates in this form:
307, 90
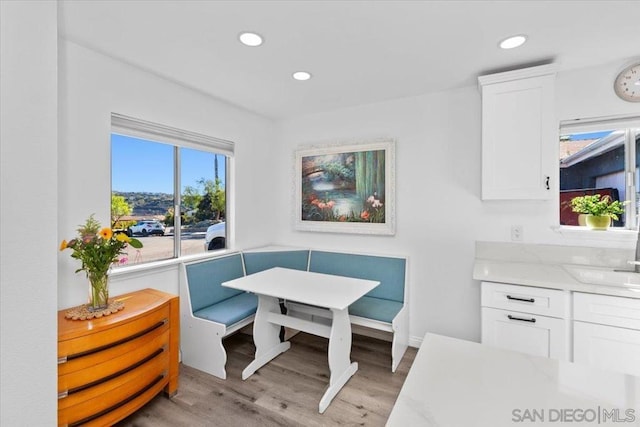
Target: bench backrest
259, 261
204, 280
389, 271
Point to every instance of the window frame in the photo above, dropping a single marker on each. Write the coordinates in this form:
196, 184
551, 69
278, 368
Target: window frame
178, 138
628, 123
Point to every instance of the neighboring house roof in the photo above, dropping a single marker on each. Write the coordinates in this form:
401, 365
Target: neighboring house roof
581, 150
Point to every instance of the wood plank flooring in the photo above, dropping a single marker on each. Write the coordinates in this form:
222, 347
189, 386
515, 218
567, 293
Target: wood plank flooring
285, 392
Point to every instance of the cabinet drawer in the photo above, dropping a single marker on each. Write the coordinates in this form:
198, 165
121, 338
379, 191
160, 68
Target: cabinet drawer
607, 310
531, 334
103, 340
526, 299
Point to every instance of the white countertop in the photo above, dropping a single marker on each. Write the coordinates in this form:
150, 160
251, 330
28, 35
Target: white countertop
461, 383
553, 276
548, 266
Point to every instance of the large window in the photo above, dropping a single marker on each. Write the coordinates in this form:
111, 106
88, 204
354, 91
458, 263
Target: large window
600, 157
169, 189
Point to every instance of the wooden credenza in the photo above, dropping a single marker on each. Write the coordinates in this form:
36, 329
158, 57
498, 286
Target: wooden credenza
110, 367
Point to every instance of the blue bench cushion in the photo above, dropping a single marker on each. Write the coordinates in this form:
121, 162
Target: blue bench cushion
204, 280
375, 308
388, 271
231, 310
259, 261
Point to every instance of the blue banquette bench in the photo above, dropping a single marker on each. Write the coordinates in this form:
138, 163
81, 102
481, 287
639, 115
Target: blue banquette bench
210, 312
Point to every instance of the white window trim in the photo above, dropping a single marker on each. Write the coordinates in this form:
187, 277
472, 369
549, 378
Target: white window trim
130, 126
150, 131
594, 124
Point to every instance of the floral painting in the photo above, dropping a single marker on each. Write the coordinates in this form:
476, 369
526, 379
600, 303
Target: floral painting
346, 188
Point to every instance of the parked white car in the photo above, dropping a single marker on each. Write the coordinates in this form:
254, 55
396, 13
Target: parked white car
216, 237
147, 227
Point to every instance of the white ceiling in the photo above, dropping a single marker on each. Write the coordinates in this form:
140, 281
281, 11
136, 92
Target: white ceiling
358, 51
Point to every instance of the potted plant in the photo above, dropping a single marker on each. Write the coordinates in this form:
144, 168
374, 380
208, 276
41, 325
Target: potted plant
599, 210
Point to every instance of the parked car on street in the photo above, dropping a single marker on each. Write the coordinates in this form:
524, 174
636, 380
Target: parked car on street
216, 237
146, 228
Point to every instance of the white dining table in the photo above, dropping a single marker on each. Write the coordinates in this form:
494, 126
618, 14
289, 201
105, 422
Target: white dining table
332, 292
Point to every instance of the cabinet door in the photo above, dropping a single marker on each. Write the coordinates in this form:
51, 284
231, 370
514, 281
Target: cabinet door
607, 347
518, 136
527, 333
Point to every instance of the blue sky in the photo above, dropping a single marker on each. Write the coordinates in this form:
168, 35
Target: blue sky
589, 135
146, 166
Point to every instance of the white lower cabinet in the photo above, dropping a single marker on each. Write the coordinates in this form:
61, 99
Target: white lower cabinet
604, 329
526, 319
606, 332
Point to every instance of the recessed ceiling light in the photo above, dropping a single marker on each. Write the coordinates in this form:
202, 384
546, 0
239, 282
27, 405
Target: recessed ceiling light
514, 41
301, 75
250, 39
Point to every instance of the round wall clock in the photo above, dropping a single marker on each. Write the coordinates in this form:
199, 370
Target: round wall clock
627, 84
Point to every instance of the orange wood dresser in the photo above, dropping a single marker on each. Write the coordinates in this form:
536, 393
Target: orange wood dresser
110, 367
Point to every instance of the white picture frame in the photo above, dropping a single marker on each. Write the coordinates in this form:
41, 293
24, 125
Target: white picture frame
345, 187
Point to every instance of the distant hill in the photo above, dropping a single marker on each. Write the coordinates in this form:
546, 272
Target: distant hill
147, 204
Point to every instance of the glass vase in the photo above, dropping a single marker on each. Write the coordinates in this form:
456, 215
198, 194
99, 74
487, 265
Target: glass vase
98, 292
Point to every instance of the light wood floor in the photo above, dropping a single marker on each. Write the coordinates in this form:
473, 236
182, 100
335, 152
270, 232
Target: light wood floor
285, 392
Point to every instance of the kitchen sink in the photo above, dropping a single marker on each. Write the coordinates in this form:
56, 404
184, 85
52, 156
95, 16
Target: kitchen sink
605, 276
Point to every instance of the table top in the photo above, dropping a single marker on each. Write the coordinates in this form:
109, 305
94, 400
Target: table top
323, 290
462, 383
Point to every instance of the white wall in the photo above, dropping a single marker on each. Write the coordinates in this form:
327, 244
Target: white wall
28, 203
439, 211
437, 188
92, 86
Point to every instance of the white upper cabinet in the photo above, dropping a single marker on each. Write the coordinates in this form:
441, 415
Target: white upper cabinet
519, 134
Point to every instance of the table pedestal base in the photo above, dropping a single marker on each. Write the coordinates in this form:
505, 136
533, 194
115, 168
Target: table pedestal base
266, 336
265, 358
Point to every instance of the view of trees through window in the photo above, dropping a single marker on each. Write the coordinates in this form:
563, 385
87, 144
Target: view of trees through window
603, 161
144, 175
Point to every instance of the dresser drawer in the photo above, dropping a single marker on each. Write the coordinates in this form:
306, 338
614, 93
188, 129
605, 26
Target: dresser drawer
112, 352
110, 397
607, 310
526, 299
125, 331
85, 383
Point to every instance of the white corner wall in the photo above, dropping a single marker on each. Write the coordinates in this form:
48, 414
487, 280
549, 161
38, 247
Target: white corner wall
92, 86
28, 203
439, 211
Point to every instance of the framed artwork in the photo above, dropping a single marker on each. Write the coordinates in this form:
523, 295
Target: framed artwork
346, 187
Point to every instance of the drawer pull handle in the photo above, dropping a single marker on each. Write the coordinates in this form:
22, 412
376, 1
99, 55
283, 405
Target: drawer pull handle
160, 324
115, 374
531, 300
522, 319
124, 402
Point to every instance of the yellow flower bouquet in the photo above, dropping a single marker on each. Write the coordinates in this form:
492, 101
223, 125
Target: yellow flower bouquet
98, 248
